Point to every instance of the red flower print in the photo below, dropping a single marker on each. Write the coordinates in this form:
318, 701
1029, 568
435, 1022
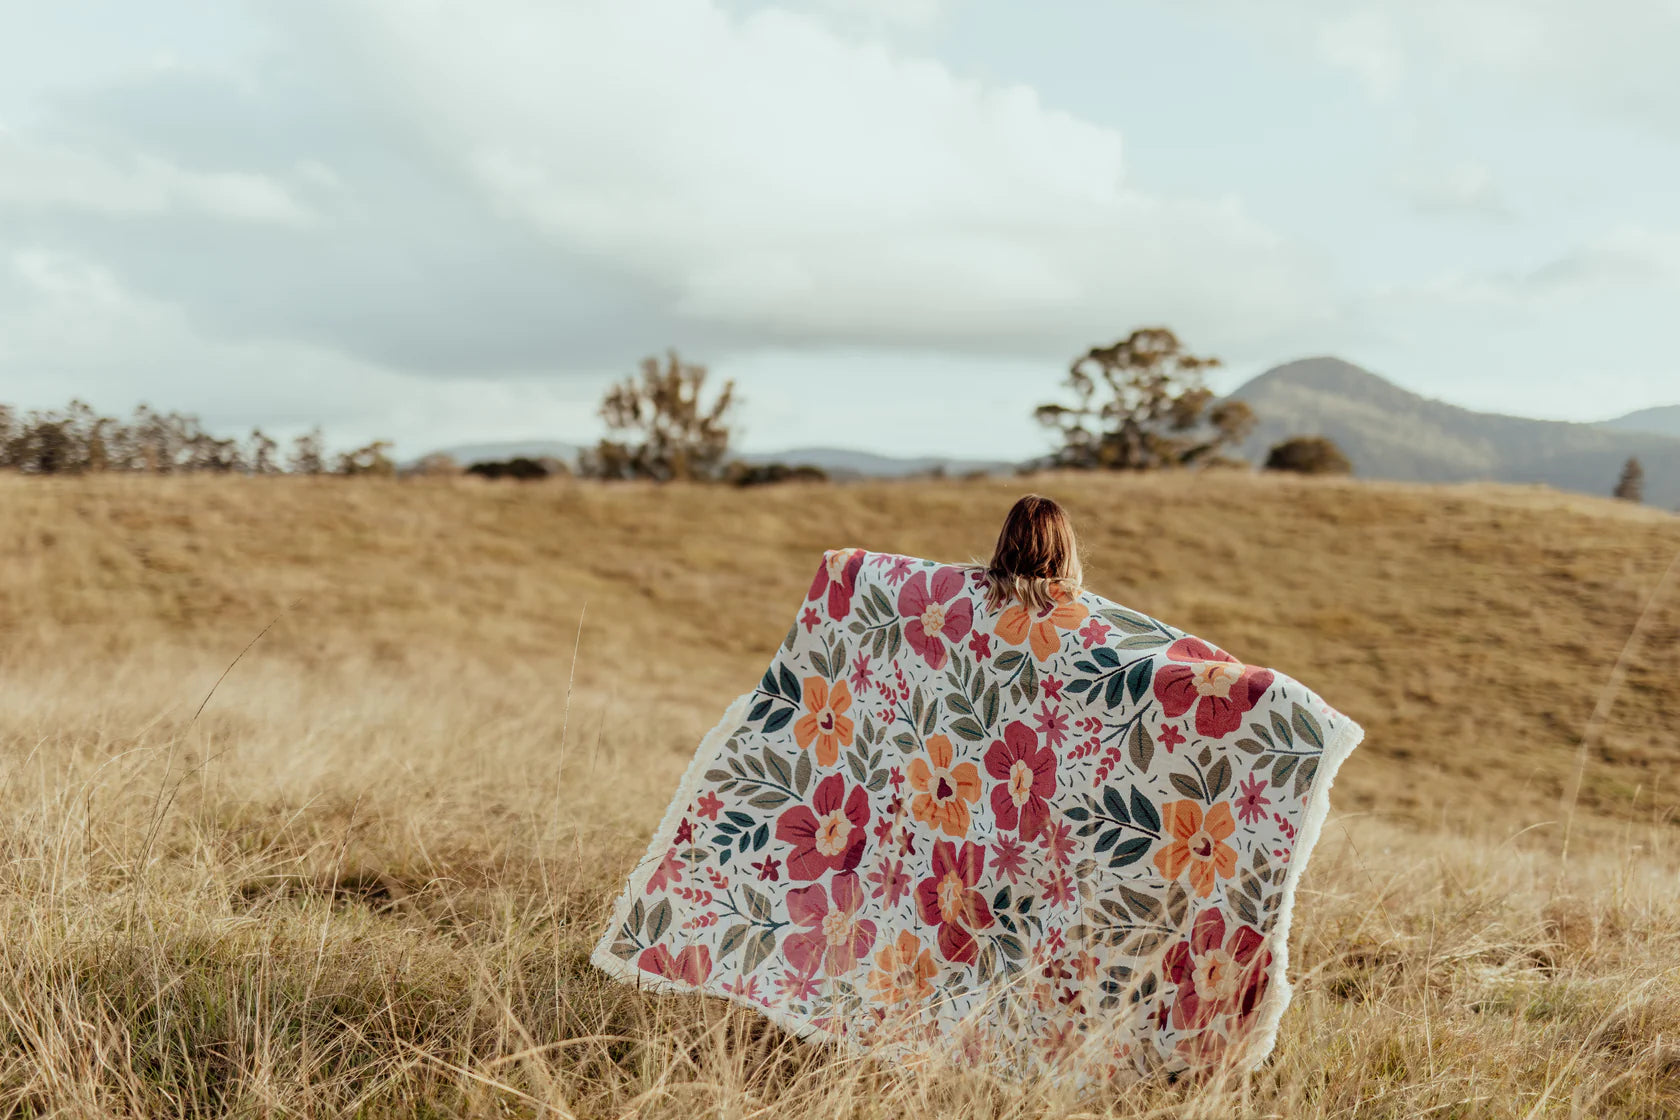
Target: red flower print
1197, 844
1027, 776
685, 832
1017, 624
1251, 801
948, 900
861, 677
1057, 840
746, 987
838, 579
936, 612
834, 938
1007, 858
768, 868
809, 620
1216, 975
1094, 633
1056, 889
1052, 724
980, 645
1171, 737
797, 985
692, 964
899, 570
891, 881
886, 825
670, 870
1220, 688
709, 804
827, 835
825, 722
1052, 688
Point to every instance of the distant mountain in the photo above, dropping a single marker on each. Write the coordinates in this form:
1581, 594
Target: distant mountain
1663, 421
1390, 433
839, 462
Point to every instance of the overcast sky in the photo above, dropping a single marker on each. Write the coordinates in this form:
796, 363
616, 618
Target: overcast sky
892, 221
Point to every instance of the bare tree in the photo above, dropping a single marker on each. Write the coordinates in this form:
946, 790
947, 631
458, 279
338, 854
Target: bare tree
309, 455
1143, 404
663, 427
264, 454
1631, 486
369, 460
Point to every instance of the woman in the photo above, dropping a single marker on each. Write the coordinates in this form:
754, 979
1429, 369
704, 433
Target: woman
1036, 560
975, 811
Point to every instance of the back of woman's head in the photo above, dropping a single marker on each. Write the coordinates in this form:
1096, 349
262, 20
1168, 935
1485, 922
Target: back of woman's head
1036, 560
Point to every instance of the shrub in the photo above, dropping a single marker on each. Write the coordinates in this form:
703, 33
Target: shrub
765, 474
519, 468
1308, 455
1631, 486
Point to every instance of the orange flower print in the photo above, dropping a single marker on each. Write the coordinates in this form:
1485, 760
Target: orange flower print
1197, 845
943, 792
903, 970
824, 722
1017, 624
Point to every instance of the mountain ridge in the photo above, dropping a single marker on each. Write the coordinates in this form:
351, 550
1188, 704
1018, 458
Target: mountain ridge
1663, 420
1387, 431
1392, 433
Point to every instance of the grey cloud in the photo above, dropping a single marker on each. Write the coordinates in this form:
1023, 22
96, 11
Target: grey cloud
406, 266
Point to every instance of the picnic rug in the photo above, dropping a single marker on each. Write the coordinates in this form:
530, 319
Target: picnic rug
1061, 842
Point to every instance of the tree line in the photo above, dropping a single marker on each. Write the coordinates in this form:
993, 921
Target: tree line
78, 439
1141, 403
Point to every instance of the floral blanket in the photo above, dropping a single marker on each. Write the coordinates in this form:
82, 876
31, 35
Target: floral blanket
1063, 842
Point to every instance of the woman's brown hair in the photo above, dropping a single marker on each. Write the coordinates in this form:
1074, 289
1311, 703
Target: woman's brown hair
1036, 560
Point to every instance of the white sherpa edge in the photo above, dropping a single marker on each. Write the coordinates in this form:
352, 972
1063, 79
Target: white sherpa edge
1258, 1048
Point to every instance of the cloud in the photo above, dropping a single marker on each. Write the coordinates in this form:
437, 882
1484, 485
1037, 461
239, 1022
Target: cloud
1614, 57
1630, 261
69, 327
56, 177
1469, 189
885, 15
566, 187
802, 187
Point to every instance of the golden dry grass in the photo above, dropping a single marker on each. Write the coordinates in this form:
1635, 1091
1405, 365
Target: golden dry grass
366, 878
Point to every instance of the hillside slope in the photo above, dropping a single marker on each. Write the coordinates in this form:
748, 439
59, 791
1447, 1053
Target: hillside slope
1394, 434
1468, 628
1660, 421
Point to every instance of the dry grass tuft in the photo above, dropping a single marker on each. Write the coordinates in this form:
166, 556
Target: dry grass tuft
366, 878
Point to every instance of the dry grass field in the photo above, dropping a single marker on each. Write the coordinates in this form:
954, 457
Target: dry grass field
365, 878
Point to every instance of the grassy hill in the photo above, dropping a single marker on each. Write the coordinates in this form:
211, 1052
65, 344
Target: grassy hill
367, 875
1394, 434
